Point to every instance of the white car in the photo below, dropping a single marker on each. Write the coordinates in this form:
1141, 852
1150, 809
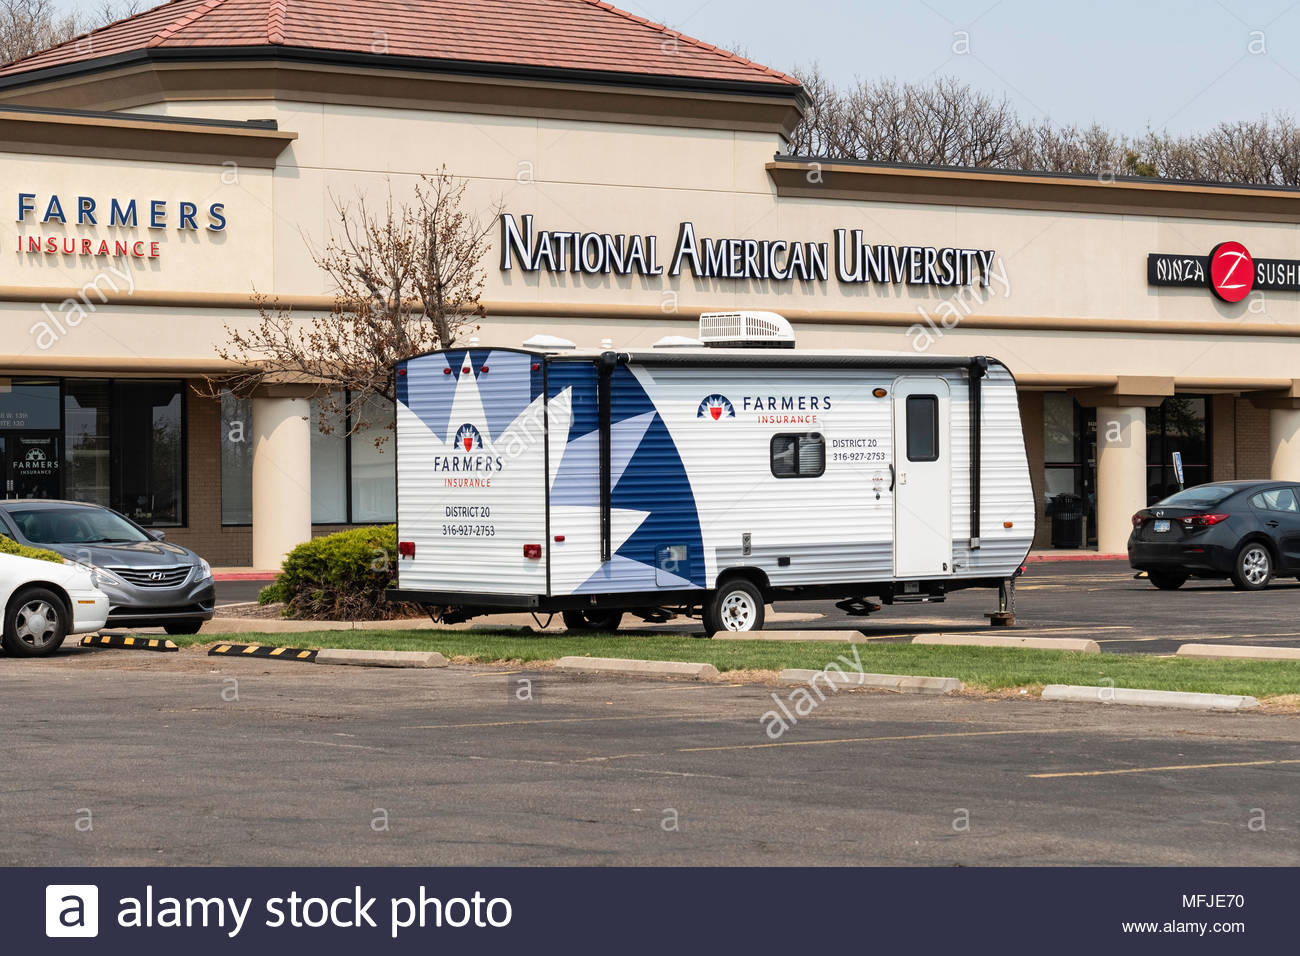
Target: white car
44, 602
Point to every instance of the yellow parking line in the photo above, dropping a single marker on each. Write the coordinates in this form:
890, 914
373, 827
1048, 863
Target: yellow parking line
869, 740
1188, 766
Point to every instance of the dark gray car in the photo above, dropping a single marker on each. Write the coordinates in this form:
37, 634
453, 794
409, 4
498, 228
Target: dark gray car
149, 581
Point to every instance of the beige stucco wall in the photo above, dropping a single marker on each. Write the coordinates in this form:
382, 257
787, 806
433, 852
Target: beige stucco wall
640, 179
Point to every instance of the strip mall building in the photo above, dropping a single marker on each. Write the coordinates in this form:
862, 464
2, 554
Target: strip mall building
158, 173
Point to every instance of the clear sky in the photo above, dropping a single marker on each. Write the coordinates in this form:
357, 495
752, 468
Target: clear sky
1180, 65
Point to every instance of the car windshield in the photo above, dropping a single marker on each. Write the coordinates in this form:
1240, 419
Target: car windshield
75, 526
1205, 496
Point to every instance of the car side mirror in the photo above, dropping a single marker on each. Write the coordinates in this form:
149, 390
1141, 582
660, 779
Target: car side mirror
157, 535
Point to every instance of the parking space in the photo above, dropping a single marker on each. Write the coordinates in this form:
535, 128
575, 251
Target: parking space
190, 760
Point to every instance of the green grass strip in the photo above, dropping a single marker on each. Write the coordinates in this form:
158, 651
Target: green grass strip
979, 667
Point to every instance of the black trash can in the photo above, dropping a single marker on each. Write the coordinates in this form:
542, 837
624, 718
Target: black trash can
1067, 521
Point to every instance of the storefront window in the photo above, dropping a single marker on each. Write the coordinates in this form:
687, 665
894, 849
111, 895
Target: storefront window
1061, 447
374, 469
87, 441
29, 404
329, 468
236, 460
352, 481
1180, 424
149, 434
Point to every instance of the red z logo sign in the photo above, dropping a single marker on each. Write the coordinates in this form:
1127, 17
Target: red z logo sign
1232, 271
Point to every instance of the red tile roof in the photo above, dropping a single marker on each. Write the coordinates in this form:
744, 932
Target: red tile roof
548, 34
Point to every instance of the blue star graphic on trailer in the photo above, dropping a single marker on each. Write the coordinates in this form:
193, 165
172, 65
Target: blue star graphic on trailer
716, 407
468, 437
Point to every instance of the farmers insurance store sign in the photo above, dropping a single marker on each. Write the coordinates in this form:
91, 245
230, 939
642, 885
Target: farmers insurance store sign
43, 221
1229, 271
781, 260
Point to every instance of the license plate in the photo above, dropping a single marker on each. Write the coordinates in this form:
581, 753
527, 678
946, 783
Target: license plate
1161, 526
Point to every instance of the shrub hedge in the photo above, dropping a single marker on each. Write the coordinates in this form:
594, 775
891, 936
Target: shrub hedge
339, 577
10, 546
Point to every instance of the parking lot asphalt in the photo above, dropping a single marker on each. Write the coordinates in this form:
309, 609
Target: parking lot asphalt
1098, 600
131, 758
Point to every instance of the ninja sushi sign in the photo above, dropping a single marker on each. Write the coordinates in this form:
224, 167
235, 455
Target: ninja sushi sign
1229, 271
852, 258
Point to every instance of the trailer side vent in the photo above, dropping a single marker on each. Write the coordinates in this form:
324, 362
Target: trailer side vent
746, 330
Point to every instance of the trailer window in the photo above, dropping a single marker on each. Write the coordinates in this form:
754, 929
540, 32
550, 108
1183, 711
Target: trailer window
798, 456
922, 428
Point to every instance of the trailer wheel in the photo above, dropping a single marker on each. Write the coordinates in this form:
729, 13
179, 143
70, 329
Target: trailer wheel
736, 606
590, 622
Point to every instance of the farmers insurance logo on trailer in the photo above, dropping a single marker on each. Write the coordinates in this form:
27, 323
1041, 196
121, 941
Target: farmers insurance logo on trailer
716, 407
466, 454
469, 437
1229, 271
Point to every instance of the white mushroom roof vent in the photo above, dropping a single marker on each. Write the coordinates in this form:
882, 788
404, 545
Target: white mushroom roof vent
549, 343
749, 330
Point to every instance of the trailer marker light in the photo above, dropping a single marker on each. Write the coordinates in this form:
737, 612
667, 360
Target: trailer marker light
484, 370
466, 370
446, 371
406, 549
559, 539
537, 366
532, 551
1008, 524
401, 373
880, 393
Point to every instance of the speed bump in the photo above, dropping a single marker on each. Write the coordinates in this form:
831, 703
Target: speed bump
128, 643
263, 650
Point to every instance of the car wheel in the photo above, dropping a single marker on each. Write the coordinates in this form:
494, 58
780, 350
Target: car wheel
1167, 580
1254, 567
592, 621
186, 627
35, 623
736, 606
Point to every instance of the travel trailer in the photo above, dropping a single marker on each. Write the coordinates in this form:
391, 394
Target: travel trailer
711, 477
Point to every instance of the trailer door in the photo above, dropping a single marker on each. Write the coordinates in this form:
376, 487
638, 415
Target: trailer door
923, 478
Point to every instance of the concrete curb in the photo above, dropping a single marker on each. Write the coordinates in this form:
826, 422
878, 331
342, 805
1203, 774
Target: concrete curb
382, 658
634, 668
1184, 700
1251, 651
899, 683
1079, 644
830, 636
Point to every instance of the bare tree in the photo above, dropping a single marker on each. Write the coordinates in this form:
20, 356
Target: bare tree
29, 26
408, 279
947, 123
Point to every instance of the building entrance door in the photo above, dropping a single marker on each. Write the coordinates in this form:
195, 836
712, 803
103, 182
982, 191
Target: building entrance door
31, 464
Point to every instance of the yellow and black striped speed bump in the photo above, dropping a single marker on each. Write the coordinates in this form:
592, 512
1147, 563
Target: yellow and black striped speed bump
128, 643
263, 650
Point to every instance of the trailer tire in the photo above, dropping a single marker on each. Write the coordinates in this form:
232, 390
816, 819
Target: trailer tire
736, 607
590, 622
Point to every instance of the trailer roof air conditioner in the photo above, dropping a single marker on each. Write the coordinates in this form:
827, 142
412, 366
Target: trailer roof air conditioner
747, 330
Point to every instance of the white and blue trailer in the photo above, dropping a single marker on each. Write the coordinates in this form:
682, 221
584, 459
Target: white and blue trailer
705, 480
